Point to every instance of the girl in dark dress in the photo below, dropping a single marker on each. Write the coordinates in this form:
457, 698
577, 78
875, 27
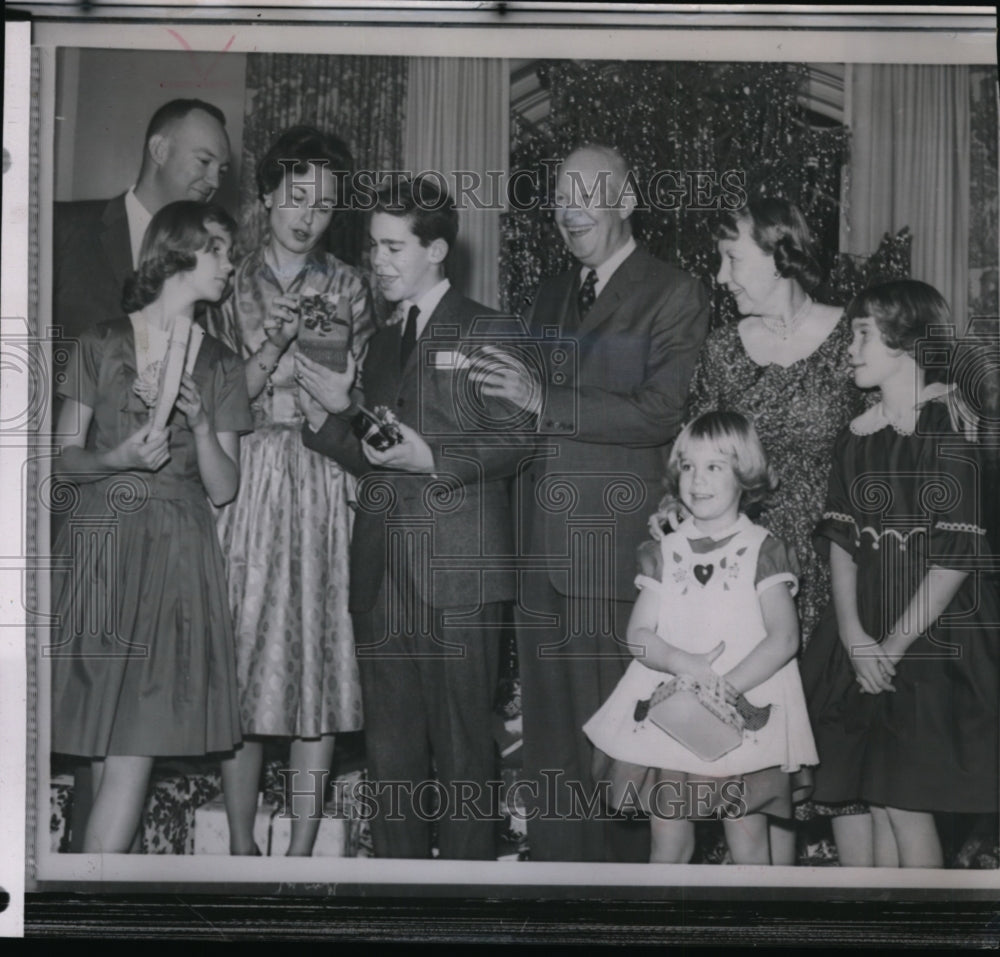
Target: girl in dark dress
902, 673
143, 654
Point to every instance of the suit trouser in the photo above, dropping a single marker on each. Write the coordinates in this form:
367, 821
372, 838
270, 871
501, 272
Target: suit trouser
563, 682
428, 691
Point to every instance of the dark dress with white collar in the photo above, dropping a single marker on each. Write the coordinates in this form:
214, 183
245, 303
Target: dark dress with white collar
899, 504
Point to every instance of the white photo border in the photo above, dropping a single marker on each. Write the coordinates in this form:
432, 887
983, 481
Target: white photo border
602, 34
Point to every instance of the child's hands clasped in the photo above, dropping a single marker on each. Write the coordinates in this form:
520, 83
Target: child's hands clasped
189, 402
872, 666
700, 667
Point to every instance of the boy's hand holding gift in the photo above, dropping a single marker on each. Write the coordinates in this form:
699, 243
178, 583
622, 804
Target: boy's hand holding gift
410, 454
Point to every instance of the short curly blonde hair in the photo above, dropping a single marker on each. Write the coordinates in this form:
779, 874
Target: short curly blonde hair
735, 436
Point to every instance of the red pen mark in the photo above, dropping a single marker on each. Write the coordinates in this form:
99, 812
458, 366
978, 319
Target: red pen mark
202, 73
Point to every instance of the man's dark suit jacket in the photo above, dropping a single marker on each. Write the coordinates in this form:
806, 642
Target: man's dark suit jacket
91, 257
611, 419
467, 505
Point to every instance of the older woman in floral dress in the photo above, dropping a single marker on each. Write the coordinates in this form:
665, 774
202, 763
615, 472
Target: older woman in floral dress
785, 365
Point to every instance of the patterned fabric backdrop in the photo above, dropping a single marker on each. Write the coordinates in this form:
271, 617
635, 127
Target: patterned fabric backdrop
361, 99
683, 117
983, 234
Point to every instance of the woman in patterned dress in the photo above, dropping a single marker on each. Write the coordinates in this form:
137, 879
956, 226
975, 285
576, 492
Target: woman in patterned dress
785, 366
285, 537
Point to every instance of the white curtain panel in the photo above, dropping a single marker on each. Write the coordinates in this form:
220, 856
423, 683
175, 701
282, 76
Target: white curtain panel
909, 166
458, 119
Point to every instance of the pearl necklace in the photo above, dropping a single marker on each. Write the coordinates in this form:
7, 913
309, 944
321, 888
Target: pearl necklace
784, 329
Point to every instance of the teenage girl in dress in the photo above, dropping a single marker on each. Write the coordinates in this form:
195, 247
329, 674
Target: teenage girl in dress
715, 602
143, 662
903, 671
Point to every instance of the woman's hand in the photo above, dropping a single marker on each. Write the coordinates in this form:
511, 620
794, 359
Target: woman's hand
145, 450
282, 324
332, 390
189, 402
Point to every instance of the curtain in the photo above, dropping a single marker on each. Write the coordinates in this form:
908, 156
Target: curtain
457, 118
361, 99
909, 166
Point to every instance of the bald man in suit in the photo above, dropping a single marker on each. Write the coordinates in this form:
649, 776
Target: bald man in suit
583, 504
96, 242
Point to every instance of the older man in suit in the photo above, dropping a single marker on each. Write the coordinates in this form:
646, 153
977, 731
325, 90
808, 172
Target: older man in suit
583, 504
431, 551
96, 242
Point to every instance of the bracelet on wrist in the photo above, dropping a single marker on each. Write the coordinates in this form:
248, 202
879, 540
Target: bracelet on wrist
264, 366
267, 369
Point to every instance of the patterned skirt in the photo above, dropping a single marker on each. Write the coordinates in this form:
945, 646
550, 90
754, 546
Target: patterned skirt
285, 540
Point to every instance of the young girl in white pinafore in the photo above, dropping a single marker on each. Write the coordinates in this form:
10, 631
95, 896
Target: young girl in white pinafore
715, 604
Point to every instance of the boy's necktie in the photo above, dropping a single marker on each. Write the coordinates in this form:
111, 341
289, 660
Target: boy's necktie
409, 339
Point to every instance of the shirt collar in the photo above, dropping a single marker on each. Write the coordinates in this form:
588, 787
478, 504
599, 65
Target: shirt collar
874, 419
693, 533
610, 265
427, 303
315, 260
138, 219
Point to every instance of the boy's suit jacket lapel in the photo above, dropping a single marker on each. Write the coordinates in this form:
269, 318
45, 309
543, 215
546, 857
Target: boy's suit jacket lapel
443, 313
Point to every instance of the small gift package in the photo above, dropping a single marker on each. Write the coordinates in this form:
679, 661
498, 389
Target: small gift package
378, 427
325, 328
707, 717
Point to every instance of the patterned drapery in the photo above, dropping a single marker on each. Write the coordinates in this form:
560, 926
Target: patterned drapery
361, 99
983, 243
687, 130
